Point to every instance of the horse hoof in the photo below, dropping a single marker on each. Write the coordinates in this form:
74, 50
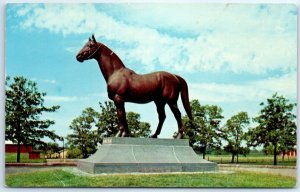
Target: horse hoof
124, 134
119, 134
153, 136
179, 136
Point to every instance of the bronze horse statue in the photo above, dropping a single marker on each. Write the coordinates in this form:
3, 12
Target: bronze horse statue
124, 85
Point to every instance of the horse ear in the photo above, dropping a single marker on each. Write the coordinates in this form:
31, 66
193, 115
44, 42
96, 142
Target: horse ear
93, 37
89, 39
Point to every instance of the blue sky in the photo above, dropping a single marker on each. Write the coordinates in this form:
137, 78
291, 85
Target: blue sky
231, 55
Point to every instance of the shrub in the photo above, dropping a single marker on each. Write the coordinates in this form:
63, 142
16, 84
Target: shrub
74, 153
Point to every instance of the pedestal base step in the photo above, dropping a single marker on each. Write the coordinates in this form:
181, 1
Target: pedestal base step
128, 155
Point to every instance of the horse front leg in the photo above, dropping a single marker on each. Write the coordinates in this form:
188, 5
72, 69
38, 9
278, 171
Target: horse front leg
121, 114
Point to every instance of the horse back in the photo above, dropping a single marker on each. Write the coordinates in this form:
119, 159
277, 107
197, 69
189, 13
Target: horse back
157, 86
144, 88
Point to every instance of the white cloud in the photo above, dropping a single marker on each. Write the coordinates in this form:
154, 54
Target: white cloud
72, 49
286, 84
61, 98
48, 81
87, 97
51, 81
234, 38
252, 91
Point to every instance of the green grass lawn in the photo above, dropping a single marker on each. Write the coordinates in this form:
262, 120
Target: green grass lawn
64, 178
256, 160
24, 158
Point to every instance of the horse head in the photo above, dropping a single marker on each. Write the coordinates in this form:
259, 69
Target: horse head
88, 50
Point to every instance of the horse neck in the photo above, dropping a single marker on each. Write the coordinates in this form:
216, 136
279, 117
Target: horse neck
108, 62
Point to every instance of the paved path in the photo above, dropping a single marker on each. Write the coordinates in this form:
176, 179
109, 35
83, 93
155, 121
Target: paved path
277, 170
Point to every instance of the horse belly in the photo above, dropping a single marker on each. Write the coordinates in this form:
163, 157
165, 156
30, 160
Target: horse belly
143, 92
142, 95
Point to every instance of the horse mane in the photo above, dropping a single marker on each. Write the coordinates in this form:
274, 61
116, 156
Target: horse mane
113, 54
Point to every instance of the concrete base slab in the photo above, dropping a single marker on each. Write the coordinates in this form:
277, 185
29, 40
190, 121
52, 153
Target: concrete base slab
124, 155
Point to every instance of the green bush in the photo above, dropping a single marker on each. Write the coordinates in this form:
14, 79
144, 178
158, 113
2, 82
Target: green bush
74, 153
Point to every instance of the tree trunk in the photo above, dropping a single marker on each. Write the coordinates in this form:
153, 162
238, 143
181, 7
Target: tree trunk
232, 158
275, 154
18, 151
204, 151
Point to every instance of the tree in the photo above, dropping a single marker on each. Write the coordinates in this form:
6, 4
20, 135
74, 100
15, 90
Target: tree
288, 142
108, 122
276, 125
73, 153
91, 127
84, 136
234, 133
204, 133
136, 127
52, 148
268, 149
24, 105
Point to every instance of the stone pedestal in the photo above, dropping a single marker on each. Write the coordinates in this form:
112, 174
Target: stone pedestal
127, 155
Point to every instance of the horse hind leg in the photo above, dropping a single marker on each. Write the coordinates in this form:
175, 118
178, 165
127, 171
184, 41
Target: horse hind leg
160, 107
177, 115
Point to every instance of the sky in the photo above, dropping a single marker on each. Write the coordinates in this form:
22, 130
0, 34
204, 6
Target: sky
231, 55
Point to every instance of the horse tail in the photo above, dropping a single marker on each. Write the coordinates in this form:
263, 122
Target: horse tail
185, 97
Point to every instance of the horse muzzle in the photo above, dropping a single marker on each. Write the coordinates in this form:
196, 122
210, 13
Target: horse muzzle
79, 58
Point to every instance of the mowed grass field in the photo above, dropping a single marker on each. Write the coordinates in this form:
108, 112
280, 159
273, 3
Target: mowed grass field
71, 177
253, 160
24, 158
63, 178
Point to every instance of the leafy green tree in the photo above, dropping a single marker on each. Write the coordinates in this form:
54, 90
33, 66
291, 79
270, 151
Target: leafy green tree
268, 149
91, 127
52, 148
204, 133
234, 132
41, 147
108, 122
282, 148
84, 136
24, 106
74, 153
276, 125
288, 141
136, 127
